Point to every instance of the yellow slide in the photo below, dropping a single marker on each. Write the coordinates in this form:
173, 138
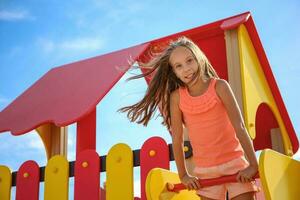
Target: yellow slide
280, 175
156, 186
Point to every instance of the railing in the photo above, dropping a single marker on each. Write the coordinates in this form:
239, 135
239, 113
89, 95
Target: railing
118, 165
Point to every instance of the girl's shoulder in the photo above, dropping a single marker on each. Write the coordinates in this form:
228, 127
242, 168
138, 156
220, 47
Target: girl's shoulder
221, 86
220, 82
175, 101
174, 96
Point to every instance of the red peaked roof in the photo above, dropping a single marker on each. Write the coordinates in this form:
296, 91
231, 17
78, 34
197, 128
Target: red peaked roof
66, 94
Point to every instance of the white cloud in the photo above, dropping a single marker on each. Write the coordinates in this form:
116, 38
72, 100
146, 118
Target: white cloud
46, 45
120, 11
14, 51
15, 15
135, 7
137, 188
70, 141
82, 44
4, 100
36, 144
14, 150
34, 141
296, 156
86, 44
124, 11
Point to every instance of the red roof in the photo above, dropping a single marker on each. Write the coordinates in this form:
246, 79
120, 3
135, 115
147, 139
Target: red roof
68, 93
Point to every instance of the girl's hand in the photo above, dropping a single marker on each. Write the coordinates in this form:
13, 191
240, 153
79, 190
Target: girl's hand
246, 175
190, 182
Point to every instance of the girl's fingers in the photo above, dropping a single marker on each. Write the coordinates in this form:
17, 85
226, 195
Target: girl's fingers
243, 179
249, 179
197, 184
246, 178
238, 177
191, 186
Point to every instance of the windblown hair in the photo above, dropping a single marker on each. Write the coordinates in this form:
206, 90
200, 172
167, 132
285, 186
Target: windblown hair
164, 82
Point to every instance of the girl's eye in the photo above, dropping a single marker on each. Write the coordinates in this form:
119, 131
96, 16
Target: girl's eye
190, 60
177, 66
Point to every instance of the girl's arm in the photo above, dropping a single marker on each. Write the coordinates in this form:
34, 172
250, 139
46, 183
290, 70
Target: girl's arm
177, 140
226, 95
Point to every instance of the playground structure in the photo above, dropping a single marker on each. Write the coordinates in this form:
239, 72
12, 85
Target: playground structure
70, 93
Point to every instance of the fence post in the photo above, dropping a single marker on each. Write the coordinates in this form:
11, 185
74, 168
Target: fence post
28, 181
119, 173
57, 179
5, 182
87, 176
154, 153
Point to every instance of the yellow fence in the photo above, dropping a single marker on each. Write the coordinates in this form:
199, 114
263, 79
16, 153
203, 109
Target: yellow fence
118, 163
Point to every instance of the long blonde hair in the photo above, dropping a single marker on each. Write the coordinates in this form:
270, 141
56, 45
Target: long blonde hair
164, 82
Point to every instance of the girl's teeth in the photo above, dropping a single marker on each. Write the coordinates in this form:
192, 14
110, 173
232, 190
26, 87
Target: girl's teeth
190, 76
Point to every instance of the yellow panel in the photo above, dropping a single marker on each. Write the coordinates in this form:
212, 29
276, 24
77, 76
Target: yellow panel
255, 88
280, 175
5, 183
119, 172
44, 131
156, 186
56, 179
54, 139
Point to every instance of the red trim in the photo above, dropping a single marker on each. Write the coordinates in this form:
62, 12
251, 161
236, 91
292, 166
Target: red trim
235, 22
203, 28
272, 83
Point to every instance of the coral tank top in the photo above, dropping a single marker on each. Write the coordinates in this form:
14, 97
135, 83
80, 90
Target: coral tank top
210, 131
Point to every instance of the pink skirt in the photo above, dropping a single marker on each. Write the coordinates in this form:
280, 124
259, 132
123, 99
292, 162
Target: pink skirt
228, 168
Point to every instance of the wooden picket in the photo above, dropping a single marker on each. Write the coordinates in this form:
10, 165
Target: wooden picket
87, 176
57, 179
28, 181
154, 153
5, 183
119, 173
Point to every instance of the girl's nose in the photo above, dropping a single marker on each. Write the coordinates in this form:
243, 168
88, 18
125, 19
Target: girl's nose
186, 68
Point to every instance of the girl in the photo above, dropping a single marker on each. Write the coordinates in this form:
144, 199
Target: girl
190, 94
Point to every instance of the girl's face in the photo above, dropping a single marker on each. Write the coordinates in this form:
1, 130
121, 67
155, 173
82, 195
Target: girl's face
184, 65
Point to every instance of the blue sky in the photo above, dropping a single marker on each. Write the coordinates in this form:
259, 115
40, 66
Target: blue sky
36, 36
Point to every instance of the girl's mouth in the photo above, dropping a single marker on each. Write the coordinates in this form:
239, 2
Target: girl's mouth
190, 76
